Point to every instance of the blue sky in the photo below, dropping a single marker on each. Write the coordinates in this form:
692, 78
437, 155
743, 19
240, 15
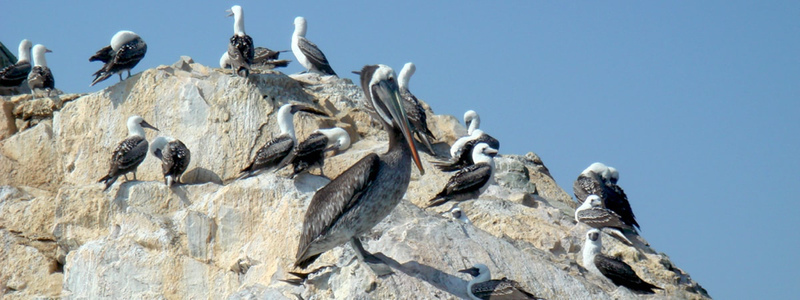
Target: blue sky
695, 103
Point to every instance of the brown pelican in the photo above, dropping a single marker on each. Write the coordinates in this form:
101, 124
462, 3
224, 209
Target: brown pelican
240, 49
416, 113
129, 153
612, 268
593, 213
124, 52
461, 150
40, 77
15, 74
482, 286
306, 52
311, 152
278, 149
471, 181
363, 195
174, 156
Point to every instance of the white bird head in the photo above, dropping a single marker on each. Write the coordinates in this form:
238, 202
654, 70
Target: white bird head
593, 243
286, 112
472, 120
158, 144
597, 168
483, 153
405, 75
121, 38
594, 201
613, 175
24, 50
300, 26
136, 126
338, 138
38, 55
238, 19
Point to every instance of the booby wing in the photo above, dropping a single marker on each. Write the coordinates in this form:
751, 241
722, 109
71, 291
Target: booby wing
617, 201
488, 139
176, 158
105, 55
598, 217
622, 274
241, 52
307, 153
270, 155
417, 118
466, 181
125, 158
500, 289
127, 57
15, 74
588, 184
315, 56
342, 194
41, 78
462, 158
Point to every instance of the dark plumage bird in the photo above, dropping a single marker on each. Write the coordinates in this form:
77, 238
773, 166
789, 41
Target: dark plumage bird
364, 194
306, 52
416, 113
311, 152
590, 182
471, 181
597, 180
593, 213
129, 153
126, 50
15, 74
40, 77
612, 268
461, 150
264, 59
273, 153
483, 287
174, 156
241, 51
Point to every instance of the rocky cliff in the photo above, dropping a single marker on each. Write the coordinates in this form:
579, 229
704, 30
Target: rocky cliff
214, 237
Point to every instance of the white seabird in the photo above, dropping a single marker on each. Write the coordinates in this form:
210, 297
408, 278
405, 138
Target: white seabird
471, 181
613, 268
126, 50
306, 52
129, 153
311, 152
460, 151
174, 156
40, 77
416, 113
15, 74
364, 194
593, 213
240, 49
458, 214
483, 287
274, 152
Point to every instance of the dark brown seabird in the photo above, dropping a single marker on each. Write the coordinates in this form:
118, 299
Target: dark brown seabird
241, 50
129, 153
363, 195
124, 52
416, 113
612, 268
15, 74
482, 286
40, 77
174, 156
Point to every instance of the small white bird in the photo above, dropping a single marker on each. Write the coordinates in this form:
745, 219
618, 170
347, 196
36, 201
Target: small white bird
306, 52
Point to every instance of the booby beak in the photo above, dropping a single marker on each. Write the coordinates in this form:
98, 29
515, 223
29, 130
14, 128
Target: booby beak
471, 271
147, 125
230, 12
357, 72
490, 151
48, 51
390, 91
308, 109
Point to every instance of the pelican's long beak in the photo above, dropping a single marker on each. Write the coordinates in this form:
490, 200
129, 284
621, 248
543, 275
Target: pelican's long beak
389, 90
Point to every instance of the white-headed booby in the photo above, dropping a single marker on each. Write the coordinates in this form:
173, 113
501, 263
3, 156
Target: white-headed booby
126, 50
306, 52
612, 268
311, 152
469, 182
483, 287
15, 74
416, 113
40, 77
364, 194
240, 49
174, 156
458, 214
593, 213
129, 153
278, 149
613, 175
461, 150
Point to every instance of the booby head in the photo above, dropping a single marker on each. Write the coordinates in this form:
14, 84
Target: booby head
479, 271
593, 242
594, 201
285, 117
338, 138
405, 75
238, 19
482, 153
379, 83
458, 214
38, 55
300, 26
121, 38
613, 175
158, 144
136, 126
472, 120
24, 50
597, 168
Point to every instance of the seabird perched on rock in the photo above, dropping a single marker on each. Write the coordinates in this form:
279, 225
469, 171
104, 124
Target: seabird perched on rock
129, 153
483, 287
306, 52
461, 150
598, 179
275, 151
40, 77
311, 152
15, 74
416, 113
364, 194
593, 213
125, 51
456, 213
174, 156
612, 268
264, 59
591, 182
471, 181
240, 49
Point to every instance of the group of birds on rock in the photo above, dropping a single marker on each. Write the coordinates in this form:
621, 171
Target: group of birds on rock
353, 202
